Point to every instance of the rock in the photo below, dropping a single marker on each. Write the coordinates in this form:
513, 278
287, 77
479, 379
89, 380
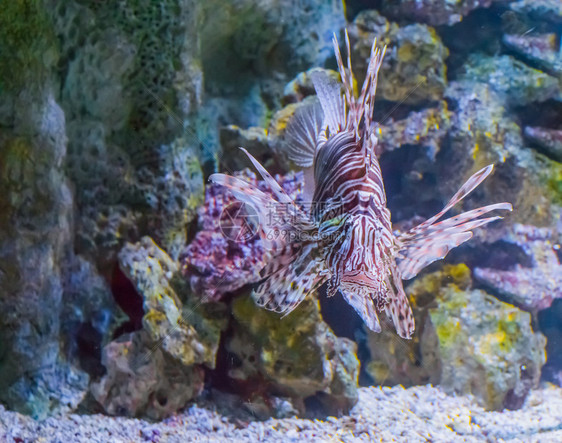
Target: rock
284, 36
481, 133
166, 319
173, 192
134, 172
141, 380
426, 128
112, 51
91, 316
414, 68
254, 139
466, 341
487, 348
28, 46
417, 361
516, 83
297, 356
433, 12
155, 371
536, 280
550, 140
548, 10
539, 49
36, 377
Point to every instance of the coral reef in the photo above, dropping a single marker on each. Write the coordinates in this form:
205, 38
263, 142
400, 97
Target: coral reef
226, 253
467, 342
124, 280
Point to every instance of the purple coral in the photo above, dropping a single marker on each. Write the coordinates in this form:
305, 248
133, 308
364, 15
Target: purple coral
532, 288
216, 262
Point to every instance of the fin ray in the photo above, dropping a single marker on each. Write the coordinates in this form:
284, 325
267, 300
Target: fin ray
365, 307
285, 289
399, 309
431, 241
331, 100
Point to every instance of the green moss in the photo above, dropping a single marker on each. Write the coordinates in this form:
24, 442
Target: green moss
288, 350
269, 326
423, 291
157, 29
553, 179
28, 45
449, 331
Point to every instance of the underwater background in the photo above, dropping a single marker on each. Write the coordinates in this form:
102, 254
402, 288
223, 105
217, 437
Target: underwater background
125, 277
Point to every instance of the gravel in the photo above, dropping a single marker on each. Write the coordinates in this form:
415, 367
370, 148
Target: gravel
417, 414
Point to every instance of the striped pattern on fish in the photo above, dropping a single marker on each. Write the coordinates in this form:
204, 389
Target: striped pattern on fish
346, 238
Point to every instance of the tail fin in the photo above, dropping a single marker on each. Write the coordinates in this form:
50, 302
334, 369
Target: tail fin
431, 241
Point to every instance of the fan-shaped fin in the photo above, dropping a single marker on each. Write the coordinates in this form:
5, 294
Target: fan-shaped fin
302, 133
261, 202
285, 289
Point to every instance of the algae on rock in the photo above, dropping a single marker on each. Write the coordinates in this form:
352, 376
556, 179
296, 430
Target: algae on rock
413, 70
298, 355
470, 343
131, 82
36, 202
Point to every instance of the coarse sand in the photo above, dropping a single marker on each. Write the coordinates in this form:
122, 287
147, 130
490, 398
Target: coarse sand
417, 414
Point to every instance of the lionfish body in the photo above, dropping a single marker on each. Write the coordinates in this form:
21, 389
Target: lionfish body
346, 238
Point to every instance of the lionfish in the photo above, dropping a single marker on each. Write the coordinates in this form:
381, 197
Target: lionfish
345, 238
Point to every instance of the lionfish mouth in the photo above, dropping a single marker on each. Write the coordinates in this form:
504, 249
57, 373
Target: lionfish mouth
360, 281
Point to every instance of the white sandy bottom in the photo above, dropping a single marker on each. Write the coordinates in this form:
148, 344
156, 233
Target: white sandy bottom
418, 414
